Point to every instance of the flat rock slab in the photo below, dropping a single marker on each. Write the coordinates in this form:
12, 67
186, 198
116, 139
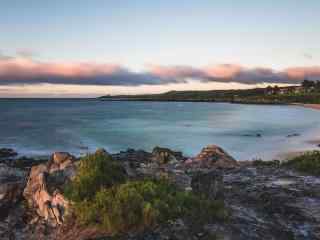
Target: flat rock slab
272, 203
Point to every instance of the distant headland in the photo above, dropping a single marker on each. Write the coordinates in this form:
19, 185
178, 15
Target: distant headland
307, 93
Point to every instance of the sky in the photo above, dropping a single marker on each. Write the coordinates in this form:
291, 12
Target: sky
90, 48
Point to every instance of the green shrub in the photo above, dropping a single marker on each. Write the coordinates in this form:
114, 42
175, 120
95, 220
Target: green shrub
308, 162
139, 205
95, 171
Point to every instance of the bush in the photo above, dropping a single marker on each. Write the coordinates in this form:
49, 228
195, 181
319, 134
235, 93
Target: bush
308, 162
139, 205
96, 171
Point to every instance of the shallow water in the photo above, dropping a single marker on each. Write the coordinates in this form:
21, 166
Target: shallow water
78, 126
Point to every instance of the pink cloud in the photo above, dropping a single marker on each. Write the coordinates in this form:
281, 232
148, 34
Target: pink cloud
223, 70
304, 72
15, 71
27, 67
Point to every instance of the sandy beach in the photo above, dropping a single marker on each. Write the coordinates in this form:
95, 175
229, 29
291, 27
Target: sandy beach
312, 106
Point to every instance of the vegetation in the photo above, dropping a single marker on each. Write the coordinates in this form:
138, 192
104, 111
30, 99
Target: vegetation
308, 92
261, 163
96, 171
119, 206
308, 162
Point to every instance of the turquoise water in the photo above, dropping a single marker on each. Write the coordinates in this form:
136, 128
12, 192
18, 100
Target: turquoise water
42, 126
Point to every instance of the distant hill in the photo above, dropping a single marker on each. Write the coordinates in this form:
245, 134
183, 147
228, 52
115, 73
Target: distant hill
307, 92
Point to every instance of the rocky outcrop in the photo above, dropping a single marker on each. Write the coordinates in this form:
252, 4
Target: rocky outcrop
44, 187
212, 156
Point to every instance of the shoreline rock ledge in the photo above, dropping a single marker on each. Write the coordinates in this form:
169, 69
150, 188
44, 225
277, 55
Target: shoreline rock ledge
264, 201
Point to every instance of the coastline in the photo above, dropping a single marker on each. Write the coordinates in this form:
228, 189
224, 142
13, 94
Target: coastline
305, 105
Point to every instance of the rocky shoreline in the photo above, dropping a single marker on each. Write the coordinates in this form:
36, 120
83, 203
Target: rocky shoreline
264, 200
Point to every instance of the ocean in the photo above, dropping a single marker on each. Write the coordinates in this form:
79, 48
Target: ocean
42, 126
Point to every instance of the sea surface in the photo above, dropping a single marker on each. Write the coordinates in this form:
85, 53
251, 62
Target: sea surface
40, 127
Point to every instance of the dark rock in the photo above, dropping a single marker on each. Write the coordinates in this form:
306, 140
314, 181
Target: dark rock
12, 183
7, 153
179, 178
134, 157
293, 135
23, 163
253, 135
209, 184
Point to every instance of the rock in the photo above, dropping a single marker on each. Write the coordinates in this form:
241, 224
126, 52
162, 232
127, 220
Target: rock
209, 184
22, 163
43, 190
12, 183
13, 226
60, 161
7, 153
293, 135
212, 156
134, 157
253, 135
179, 178
165, 155
60, 157
134, 162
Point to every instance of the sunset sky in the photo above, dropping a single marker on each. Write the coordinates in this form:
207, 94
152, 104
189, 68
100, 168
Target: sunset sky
89, 48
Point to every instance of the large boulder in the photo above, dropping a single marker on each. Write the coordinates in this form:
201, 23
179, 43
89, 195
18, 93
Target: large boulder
212, 156
44, 187
12, 183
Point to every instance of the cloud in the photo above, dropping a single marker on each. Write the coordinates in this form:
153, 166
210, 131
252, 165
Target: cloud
239, 74
3, 56
312, 73
22, 71
25, 71
26, 53
308, 56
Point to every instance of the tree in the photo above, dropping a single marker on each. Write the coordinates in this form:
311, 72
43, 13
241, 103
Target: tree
276, 89
307, 84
